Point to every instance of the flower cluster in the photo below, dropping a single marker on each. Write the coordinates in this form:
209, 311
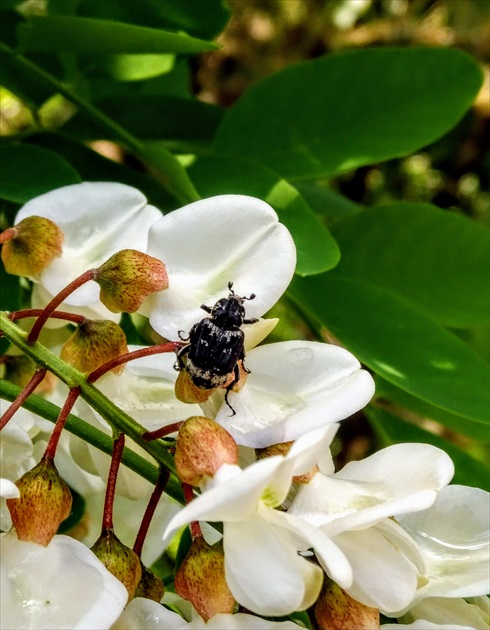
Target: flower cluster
275, 529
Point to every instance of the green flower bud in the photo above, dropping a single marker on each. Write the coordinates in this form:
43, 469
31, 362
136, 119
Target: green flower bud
94, 343
150, 586
127, 278
45, 501
32, 244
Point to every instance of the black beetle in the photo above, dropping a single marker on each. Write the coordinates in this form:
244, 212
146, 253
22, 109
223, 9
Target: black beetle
216, 345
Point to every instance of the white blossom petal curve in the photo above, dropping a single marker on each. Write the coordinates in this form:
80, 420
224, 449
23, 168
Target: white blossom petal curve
295, 387
264, 571
474, 613
209, 243
97, 219
8, 489
453, 536
60, 586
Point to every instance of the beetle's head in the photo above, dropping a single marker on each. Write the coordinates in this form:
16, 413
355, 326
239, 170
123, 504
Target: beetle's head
229, 312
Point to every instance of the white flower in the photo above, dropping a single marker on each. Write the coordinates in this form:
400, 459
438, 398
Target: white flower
294, 387
60, 586
453, 536
262, 566
446, 612
209, 243
8, 489
145, 614
97, 219
354, 507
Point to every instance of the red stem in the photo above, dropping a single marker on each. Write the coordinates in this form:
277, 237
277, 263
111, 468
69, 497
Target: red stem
71, 399
148, 436
56, 301
117, 451
160, 348
36, 312
36, 378
150, 510
196, 531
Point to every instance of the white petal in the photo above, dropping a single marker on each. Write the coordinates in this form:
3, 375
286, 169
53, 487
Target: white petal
235, 499
444, 610
383, 577
242, 621
311, 448
145, 614
423, 624
454, 537
205, 245
308, 536
8, 489
60, 586
295, 387
263, 570
97, 219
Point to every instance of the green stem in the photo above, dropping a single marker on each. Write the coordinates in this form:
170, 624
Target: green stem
89, 434
175, 177
116, 417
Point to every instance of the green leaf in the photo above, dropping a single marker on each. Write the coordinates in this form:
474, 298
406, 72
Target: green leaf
392, 430
436, 260
89, 36
133, 67
326, 202
399, 343
202, 18
179, 121
29, 171
388, 391
336, 113
216, 175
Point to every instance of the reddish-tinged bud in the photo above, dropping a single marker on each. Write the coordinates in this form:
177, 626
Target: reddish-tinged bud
202, 447
187, 392
94, 343
30, 246
283, 449
45, 501
335, 610
242, 378
127, 278
201, 580
150, 586
120, 560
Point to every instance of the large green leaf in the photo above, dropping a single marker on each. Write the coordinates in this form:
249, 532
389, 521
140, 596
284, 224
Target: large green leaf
89, 36
392, 430
438, 261
339, 112
28, 171
201, 18
217, 175
389, 392
398, 342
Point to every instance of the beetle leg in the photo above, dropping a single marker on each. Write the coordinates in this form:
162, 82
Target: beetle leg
208, 309
236, 374
180, 333
179, 364
254, 320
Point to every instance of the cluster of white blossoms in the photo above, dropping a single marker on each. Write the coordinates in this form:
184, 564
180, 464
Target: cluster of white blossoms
387, 534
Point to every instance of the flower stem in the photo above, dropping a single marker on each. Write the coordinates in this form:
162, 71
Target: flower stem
71, 399
36, 312
36, 378
150, 510
196, 531
56, 301
117, 451
162, 432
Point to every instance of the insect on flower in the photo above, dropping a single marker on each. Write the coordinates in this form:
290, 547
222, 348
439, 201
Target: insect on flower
215, 345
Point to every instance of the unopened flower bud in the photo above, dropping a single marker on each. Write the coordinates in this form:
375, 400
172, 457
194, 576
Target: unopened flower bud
45, 501
127, 278
242, 378
94, 343
19, 369
187, 392
335, 610
283, 449
120, 560
201, 580
32, 244
150, 586
202, 447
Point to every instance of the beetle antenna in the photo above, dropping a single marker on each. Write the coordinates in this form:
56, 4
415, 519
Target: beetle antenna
230, 288
252, 297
